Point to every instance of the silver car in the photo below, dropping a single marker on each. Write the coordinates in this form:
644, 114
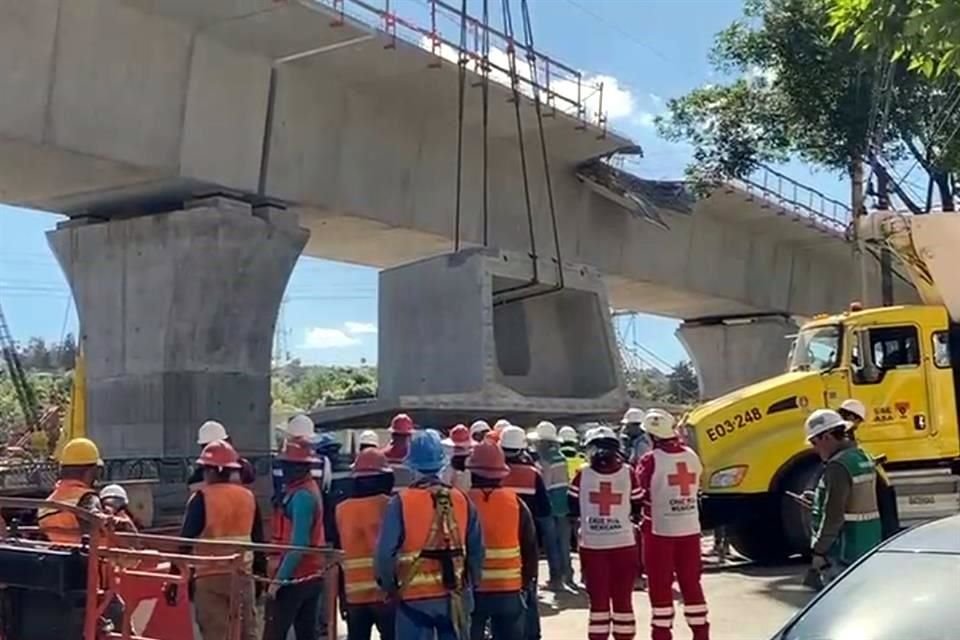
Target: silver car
908, 588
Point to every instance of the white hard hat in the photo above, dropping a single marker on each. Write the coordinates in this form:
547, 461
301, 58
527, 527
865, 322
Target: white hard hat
822, 421
855, 407
114, 491
211, 431
659, 424
513, 438
568, 435
547, 431
369, 437
633, 416
501, 424
480, 426
299, 426
532, 436
600, 433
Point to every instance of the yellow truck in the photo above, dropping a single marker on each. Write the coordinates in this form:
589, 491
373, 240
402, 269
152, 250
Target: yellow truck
902, 362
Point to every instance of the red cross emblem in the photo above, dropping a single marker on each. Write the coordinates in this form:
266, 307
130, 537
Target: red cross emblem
605, 498
683, 478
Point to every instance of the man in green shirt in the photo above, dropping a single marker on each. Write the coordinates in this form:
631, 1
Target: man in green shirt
845, 518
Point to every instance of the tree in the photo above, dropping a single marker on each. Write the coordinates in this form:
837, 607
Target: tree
925, 33
682, 384
805, 90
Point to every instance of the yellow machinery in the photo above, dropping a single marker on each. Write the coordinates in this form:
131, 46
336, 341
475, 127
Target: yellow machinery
902, 362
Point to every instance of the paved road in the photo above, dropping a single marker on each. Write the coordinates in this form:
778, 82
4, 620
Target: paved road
746, 603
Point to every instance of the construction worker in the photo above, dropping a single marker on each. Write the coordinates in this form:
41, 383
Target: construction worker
368, 440
555, 528
510, 554
606, 496
635, 440
356, 532
80, 466
478, 430
115, 502
293, 597
401, 430
845, 519
570, 450
459, 444
526, 480
222, 510
212, 431
429, 550
669, 477
298, 427
855, 413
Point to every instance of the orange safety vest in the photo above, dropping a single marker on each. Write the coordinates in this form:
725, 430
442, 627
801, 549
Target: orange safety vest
229, 511
499, 512
62, 527
282, 527
358, 523
418, 510
522, 479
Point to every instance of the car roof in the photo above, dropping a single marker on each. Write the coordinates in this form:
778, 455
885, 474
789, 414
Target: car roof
939, 536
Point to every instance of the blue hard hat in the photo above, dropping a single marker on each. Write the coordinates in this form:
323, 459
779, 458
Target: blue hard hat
426, 452
326, 442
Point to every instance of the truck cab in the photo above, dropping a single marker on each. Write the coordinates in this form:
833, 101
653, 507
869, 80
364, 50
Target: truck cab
897, 361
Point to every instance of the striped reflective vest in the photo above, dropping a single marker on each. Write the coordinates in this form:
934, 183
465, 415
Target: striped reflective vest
522, 479
358, 523
229, 510
62, 527
310, 564
861, 527
499, 512
420, 576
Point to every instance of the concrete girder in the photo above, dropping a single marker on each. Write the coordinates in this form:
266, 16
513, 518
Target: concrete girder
177, 314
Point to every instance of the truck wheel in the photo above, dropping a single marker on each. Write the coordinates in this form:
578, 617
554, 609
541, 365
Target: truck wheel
759, 535
796, 517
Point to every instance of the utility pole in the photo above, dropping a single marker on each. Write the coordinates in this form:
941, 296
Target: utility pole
886, 256
858, 211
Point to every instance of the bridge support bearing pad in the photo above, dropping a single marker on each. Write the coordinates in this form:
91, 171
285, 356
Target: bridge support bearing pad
729, 353
467, 331
177, 313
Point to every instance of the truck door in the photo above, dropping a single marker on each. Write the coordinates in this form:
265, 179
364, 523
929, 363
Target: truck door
891, 382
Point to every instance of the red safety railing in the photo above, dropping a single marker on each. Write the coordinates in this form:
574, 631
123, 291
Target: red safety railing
560, 86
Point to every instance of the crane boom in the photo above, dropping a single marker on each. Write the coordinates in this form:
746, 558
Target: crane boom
24, 391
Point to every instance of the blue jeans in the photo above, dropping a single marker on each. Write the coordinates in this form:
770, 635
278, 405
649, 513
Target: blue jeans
426, 620
503, 610
556, 542
532, 614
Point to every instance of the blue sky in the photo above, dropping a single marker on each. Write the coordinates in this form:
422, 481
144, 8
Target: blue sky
646, 50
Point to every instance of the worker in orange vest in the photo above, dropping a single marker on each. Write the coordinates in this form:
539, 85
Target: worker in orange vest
356, 532
401, 431
211, 431
430, 549
510, 554
117, 504
80, 466
458, 445
294, 596
222, 510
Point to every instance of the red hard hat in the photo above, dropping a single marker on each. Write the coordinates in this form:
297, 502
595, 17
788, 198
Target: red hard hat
492, 436
371, 462
459, 438
488, 461
401, 424
297, 450
221, 454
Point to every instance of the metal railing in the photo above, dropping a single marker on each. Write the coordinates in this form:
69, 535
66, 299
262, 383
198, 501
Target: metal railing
560, 86
788, 194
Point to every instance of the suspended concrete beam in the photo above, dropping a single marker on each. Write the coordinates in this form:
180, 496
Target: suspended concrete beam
729, 353
177, 313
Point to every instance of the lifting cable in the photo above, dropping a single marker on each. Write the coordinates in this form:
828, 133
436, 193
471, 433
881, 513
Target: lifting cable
461, 91
485, 90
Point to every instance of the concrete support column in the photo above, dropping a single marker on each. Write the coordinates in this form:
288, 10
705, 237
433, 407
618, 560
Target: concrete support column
177, 314
729, 353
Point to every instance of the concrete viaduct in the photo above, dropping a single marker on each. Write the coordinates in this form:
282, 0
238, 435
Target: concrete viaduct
199, 147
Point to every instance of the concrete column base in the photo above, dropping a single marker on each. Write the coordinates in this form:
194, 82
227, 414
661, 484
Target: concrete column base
177, 314
734, 352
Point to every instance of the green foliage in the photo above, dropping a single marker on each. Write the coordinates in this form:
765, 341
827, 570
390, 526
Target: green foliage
51, 389
680, 386
923, 33
299, 387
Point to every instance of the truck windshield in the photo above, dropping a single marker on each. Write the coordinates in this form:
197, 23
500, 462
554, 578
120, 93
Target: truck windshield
816, 349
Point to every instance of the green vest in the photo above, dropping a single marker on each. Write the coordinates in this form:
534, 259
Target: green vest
861, 528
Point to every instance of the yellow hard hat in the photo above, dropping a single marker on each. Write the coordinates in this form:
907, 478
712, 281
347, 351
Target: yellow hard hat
80, 452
